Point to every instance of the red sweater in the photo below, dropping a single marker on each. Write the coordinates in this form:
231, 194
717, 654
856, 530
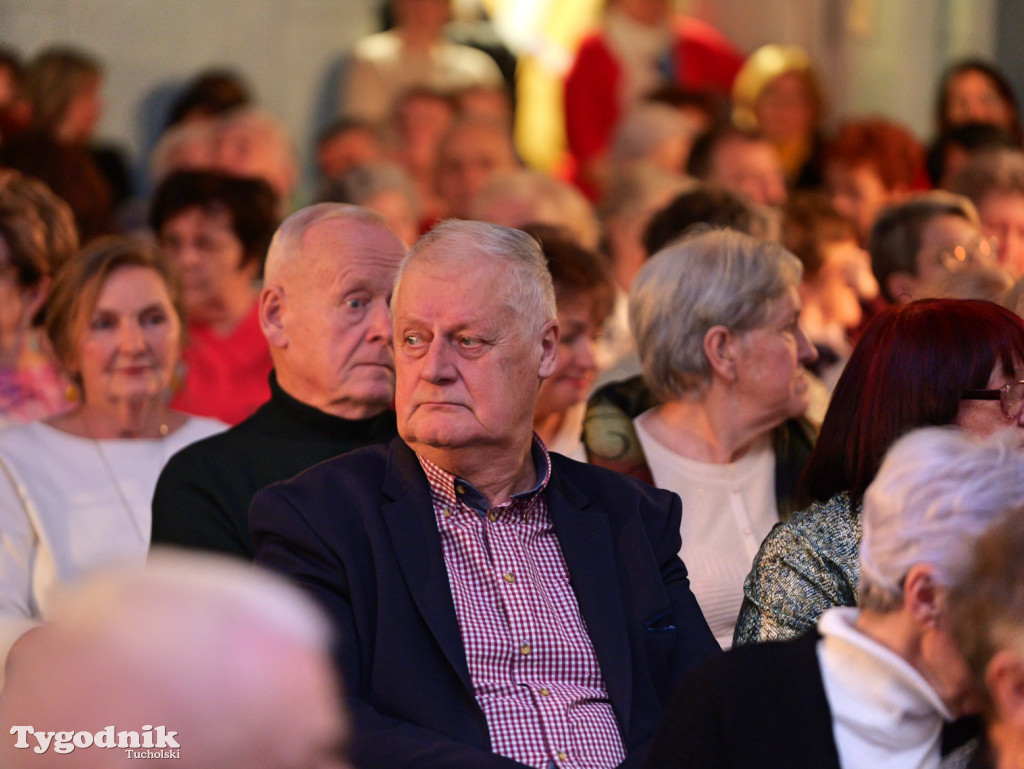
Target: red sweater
225, 376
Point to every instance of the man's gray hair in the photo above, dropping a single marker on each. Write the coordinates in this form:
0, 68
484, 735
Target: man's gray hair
711, 278
286, 245
530, 294
937, 490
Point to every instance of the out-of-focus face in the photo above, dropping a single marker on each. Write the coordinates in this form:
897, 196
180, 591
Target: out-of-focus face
395, 209
126, 346
942, 235
835, 287
785, 110
13, 305
650, 12
468, 366
972, 98
422, 14
355, 147
1002, 217
8, 86
250, 149
578, 330
335, 315
208, 256
986, 417
421, 122
858, 193
772, 383
466, 160
671, 154
83, 113
750, 168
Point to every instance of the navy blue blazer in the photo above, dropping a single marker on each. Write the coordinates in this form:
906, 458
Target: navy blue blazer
358, 532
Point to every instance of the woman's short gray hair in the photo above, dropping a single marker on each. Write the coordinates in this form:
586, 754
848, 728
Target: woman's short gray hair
710, 278
530, 294
937, 490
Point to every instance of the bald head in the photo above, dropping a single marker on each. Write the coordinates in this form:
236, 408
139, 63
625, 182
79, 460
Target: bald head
180, 645
324, 308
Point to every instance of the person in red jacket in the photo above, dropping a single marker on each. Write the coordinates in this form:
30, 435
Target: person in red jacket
639, 48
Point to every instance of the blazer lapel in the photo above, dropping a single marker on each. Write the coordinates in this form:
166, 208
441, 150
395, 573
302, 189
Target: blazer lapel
588, 549
409, 517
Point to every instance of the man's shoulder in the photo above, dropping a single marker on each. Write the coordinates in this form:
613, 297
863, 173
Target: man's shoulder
590, 476
608, 489
358, 472
221, 448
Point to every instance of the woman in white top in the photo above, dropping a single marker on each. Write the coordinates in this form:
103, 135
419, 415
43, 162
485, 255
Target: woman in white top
76, 489
716, 321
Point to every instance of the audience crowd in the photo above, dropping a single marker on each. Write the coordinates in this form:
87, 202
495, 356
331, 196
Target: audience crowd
703, 449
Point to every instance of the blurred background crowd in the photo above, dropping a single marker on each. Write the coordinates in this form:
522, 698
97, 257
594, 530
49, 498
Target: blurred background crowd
866, 156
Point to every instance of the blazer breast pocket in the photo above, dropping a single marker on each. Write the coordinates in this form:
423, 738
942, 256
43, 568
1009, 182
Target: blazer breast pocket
660, 623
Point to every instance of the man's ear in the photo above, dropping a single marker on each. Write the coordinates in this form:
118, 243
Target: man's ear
720, 347
923, 595
902, 287
272, 316
1004, 680
549, 349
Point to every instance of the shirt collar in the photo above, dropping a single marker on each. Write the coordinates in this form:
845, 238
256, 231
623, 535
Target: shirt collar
450, 490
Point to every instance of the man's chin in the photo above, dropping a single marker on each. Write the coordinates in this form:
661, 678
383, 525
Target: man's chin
429, 433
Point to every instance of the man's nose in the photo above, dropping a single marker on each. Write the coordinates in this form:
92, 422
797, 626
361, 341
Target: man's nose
438, 362
378, 321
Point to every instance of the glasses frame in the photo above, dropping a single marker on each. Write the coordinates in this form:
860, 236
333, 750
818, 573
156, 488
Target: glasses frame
980, 252
1001, 394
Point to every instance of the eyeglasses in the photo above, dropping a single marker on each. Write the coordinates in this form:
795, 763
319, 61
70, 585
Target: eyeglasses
1010, 397
978, 251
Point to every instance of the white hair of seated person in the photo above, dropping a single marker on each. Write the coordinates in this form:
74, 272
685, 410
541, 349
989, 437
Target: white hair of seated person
531, 292
232, 658
266, 152
656, 133
520, 197
184, 147
937, 490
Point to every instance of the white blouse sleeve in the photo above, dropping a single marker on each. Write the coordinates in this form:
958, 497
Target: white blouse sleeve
19, 544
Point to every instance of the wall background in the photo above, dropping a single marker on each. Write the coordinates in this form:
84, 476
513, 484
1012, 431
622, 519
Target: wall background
875, 55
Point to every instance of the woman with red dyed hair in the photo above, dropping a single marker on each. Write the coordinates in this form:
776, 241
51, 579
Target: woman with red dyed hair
930, 362
871, 164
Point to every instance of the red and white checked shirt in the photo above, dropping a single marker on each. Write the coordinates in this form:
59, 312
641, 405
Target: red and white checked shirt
533, 667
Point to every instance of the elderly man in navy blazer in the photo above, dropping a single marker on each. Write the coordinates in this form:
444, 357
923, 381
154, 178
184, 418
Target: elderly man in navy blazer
497, 606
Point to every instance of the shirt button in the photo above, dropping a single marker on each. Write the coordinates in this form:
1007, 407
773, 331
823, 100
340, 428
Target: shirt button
492, 516
545, 692
562, 756
735, 489
746, 531
510, 577
525, 650
460, 489
447, 512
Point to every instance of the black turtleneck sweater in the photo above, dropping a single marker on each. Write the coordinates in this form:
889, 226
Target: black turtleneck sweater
202, 498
